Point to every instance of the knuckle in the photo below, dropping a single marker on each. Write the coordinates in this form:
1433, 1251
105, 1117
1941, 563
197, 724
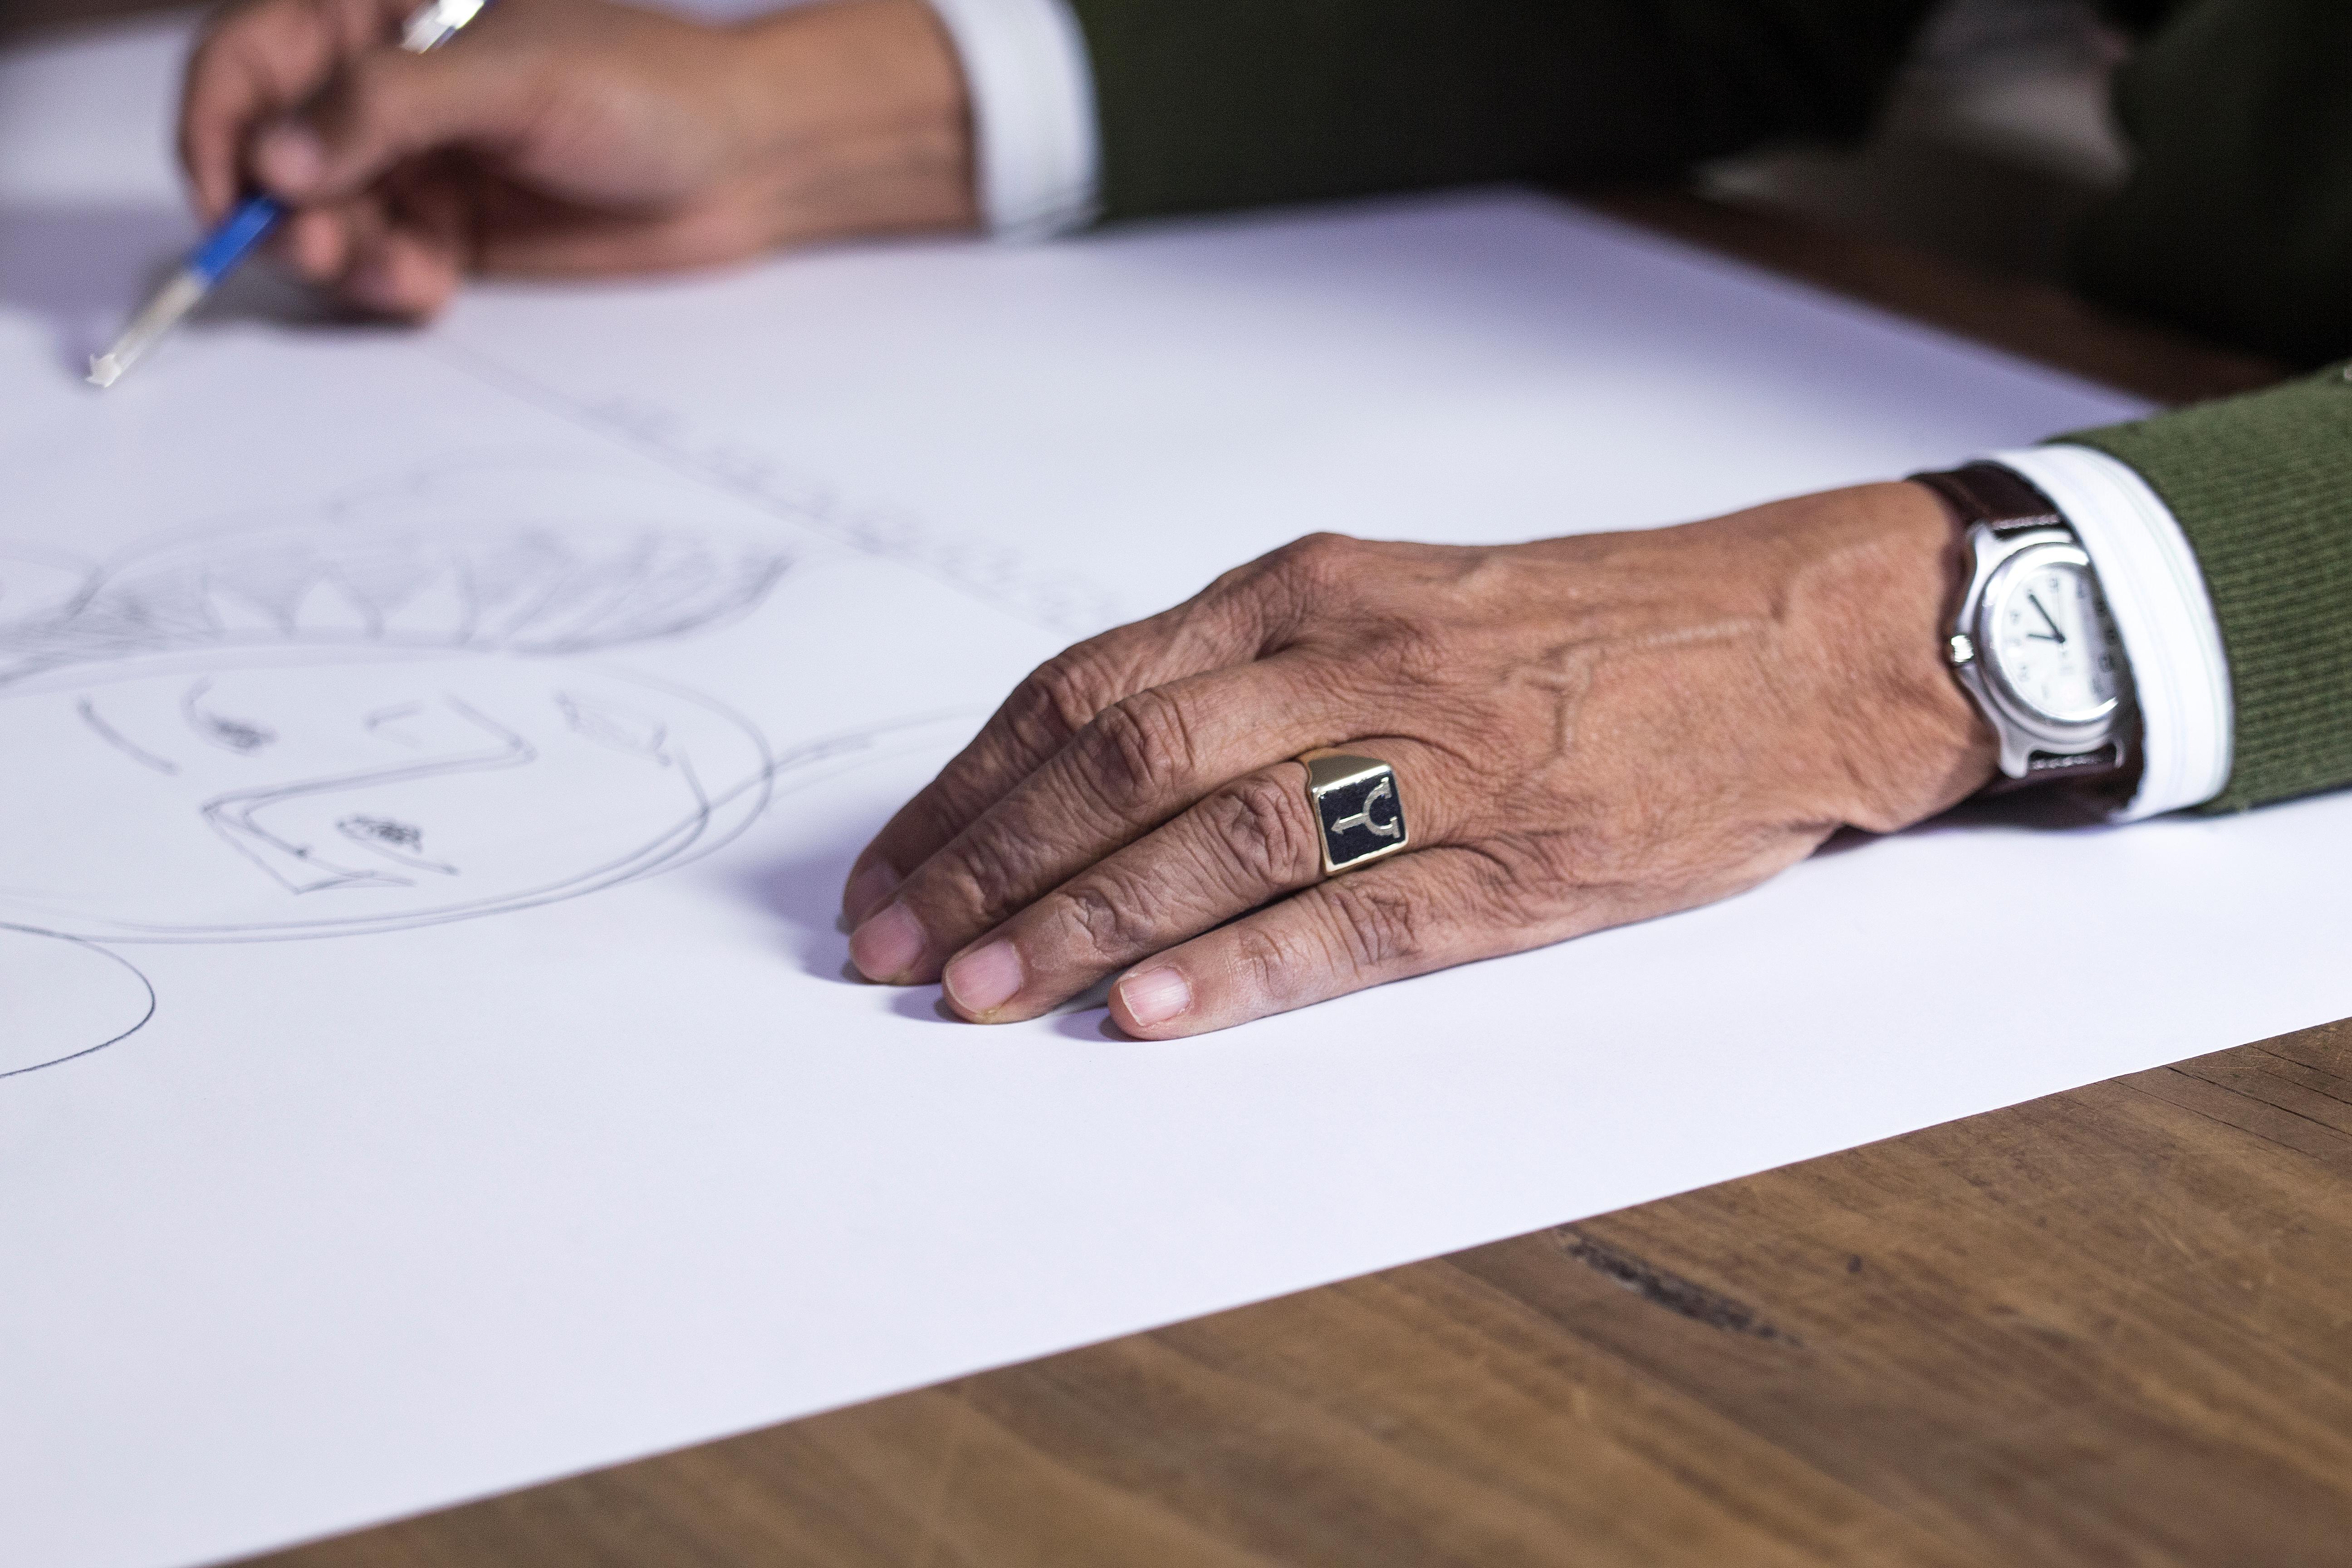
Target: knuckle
368, 111
1235, 583
1137, 750
223, 78
1057, 700
1412, 652
947, 805
1270, 960
1266, 831
1375, 928
1108, 919
1319, 551
1518, 882
1315, 565
982, 874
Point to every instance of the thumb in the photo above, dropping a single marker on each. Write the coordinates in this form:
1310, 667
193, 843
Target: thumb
387, 106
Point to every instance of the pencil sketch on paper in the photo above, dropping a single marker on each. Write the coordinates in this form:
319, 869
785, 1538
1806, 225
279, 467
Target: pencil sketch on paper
35, 585
377, 718
61, 998
990, 570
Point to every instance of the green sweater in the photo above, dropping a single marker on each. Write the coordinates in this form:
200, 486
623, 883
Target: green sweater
2236, 223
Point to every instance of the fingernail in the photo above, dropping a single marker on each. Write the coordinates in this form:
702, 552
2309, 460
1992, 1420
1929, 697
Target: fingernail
290, 158
866, 890
1155, 995
888, 944
984, 979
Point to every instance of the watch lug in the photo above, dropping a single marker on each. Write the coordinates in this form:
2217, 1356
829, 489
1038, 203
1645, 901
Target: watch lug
2016, 750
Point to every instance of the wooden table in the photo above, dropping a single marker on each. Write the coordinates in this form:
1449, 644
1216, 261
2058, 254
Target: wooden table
2112, 1326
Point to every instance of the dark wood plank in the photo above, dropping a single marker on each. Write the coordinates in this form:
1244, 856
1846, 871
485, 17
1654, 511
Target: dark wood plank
2035, 320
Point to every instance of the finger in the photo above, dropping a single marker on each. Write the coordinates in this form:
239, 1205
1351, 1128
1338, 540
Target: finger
405, 273
1245, 844
409, 265
385, 106
323, 244
1140, 761
1042, 715
316, 242
1424, 910
259, 62
374, 258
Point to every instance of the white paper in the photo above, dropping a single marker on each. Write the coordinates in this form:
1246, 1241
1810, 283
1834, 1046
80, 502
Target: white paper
456, 740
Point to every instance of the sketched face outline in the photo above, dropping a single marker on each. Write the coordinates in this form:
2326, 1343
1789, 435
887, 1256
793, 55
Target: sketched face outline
257, 794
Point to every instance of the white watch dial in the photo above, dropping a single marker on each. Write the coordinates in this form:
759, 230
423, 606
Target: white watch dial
2051, 640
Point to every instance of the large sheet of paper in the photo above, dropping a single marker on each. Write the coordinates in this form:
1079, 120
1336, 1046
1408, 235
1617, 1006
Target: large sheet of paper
429, 761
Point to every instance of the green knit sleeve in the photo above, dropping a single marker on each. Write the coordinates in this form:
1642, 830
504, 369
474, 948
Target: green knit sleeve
2262, 487
1222, 103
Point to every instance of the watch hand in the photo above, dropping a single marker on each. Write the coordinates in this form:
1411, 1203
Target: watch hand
2055, 634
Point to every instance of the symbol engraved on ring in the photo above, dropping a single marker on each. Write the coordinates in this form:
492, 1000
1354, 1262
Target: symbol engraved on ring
1393, 828
1337, 781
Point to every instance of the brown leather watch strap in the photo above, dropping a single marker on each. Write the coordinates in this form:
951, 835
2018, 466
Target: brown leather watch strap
2001, 499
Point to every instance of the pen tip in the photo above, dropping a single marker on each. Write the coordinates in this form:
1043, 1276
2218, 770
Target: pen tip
104, 369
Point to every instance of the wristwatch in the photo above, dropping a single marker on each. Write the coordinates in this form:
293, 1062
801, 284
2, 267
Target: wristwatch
2033, 643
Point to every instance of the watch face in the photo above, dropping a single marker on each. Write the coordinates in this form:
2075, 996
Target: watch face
2050, 640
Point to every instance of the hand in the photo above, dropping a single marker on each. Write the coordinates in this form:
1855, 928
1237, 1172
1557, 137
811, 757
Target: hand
572, 137
1585, 731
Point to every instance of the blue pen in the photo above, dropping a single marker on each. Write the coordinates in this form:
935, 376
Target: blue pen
429, 26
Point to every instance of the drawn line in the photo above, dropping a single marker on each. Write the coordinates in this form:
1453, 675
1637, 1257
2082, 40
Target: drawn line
145, 985
1042, 600
231, 815
122, 743
684, 842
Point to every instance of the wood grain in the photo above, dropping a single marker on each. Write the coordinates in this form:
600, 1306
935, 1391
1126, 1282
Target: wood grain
2109, 1327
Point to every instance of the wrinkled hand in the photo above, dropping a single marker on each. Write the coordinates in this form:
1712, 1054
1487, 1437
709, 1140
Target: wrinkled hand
572, 137
1585, 731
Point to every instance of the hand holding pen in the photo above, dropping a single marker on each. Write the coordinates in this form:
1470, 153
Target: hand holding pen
569, 138
250, 222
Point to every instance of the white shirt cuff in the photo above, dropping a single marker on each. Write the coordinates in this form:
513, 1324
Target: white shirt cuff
1037, 155
2156, 592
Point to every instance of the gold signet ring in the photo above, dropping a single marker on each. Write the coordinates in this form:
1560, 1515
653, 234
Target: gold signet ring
1356, 807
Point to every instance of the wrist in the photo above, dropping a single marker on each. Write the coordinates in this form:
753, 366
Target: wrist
1885, 568
1926, 571
856, 120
